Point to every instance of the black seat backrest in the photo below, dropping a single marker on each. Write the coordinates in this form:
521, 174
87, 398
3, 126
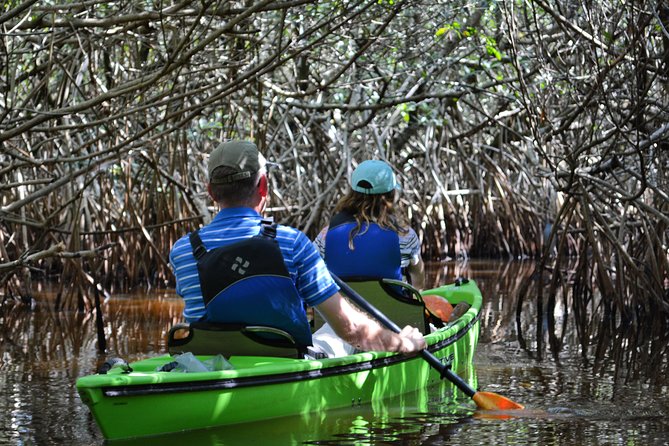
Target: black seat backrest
206, 338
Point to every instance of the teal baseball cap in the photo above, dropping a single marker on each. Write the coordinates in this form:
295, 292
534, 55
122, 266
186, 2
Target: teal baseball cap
373, 177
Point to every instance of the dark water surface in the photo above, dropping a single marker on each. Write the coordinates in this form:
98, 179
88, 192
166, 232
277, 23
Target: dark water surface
43, 353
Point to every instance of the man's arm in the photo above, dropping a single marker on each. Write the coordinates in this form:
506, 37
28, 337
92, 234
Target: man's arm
359, 330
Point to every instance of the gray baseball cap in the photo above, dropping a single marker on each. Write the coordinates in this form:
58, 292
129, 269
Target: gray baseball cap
241, 156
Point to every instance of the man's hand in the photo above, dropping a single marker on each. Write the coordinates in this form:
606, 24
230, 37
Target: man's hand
412, 340
358, 329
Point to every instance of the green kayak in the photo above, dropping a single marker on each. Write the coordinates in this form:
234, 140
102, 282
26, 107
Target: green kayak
137, 400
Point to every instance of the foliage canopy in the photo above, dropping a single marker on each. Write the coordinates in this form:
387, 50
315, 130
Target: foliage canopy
518, 128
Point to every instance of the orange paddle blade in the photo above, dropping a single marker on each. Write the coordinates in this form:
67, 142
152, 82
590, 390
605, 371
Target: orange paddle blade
493, 401
438, 306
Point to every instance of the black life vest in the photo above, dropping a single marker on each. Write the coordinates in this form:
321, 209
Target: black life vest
247, 282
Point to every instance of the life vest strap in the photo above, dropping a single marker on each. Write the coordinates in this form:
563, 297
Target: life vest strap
196, 243
268, 228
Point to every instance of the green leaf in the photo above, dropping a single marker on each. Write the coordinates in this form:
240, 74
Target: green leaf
495, 52
491, 48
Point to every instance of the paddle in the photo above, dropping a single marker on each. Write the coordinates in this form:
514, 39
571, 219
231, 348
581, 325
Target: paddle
484, 400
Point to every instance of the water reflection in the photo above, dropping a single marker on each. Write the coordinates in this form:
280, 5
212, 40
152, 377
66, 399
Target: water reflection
42, 353
408, 419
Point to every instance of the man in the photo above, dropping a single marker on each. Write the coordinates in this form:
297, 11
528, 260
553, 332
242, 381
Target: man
242, 269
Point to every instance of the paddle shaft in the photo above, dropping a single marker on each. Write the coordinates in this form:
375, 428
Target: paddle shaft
435, 362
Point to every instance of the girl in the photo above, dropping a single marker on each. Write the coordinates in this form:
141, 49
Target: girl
365, 238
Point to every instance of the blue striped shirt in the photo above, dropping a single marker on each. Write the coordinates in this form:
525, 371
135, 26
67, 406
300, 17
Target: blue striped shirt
304, 264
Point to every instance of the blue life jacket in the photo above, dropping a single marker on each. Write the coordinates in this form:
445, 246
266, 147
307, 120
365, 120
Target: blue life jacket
247, 282
376, 252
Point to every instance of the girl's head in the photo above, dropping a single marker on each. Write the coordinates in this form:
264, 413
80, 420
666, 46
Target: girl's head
372, 196
373, 177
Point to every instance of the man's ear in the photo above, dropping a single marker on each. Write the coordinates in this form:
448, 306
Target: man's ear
263, 186
209, 191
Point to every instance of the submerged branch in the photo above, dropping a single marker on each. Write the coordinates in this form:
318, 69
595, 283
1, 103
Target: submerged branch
29, 258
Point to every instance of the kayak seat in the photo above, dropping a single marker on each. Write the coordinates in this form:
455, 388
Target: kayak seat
208, 338
401, 302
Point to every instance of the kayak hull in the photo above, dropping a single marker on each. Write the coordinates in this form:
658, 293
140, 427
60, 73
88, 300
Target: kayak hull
145, 402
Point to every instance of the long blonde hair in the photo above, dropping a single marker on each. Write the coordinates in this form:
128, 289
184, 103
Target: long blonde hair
366, 209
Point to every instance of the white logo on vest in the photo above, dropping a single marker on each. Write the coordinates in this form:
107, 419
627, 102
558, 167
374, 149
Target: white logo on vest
240, 265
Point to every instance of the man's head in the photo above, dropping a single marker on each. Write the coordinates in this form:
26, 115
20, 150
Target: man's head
237, 174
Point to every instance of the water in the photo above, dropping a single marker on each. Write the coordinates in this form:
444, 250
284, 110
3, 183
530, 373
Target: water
43, 353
